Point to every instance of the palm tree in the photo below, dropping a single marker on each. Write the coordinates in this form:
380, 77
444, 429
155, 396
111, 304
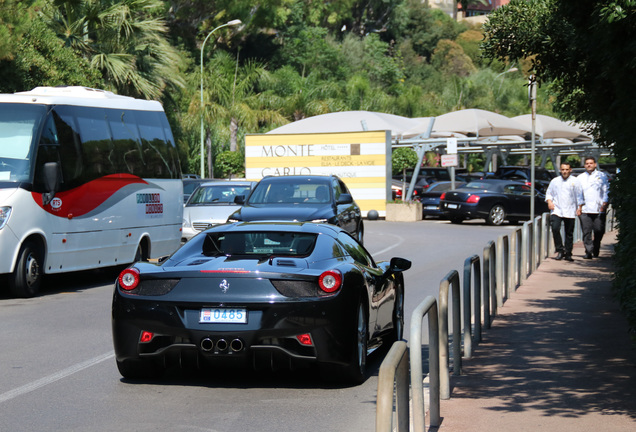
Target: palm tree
300, 96
231, 102
124, 40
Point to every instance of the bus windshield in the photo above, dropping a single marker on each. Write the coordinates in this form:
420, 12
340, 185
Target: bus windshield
18, 124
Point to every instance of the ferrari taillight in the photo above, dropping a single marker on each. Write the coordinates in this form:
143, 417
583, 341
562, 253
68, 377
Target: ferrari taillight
473, 199
129, 279
330, 281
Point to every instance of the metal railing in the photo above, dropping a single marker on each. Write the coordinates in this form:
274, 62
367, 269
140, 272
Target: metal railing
451, 281
427, 307
503, 269
506, 264
394, 373
490, 282
470, 264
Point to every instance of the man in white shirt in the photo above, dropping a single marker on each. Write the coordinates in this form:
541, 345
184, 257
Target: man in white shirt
565, 200
595, 187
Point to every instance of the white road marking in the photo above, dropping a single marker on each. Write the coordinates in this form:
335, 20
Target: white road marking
11, 394
386, 249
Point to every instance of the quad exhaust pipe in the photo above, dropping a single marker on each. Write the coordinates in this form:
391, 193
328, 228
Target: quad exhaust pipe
237, 345
222, 345
207, 344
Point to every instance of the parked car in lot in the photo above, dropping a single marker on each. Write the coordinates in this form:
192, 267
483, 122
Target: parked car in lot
266, 295
493, 200
210, 204
542, 176
430, 199
433, 174
313, 198
397, 187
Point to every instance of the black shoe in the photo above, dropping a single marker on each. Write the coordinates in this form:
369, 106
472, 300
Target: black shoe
568, 258
596, 252
559, 256
588, 256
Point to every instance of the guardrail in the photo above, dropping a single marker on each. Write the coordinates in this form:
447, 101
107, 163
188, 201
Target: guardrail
427, 307
506, 264
490, 282
450, 281
394, 371
471, 268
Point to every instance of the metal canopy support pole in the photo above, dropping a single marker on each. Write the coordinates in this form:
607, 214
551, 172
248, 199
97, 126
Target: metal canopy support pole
421, 151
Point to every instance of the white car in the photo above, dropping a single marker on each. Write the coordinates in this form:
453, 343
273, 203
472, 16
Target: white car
211, 203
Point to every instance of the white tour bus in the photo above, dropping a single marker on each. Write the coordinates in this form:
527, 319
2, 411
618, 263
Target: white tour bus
87, 179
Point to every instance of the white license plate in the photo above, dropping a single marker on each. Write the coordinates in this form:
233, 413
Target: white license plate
223, 315
430, 207
451, 206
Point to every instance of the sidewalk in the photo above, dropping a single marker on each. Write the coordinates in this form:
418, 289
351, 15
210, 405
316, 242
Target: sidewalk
557, 357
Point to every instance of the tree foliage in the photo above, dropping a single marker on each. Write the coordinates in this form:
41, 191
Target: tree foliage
288, 60
44, 61
123, 39
586, 49
402, 159
229, 163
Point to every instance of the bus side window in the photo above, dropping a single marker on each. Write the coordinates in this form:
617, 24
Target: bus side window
69, 146
48, 151
170, 148
97, 145
154, 145
126, 142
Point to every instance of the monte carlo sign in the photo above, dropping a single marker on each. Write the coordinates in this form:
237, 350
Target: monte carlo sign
361, 159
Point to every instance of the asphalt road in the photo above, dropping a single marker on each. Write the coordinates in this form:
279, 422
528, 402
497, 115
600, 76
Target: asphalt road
58, 370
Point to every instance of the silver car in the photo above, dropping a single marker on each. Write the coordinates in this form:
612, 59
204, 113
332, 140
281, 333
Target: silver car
211, 203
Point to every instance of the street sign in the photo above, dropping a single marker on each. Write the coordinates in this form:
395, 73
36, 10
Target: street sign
450, 160
451, 145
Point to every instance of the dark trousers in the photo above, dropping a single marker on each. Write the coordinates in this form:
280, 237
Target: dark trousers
592, 223
568, 225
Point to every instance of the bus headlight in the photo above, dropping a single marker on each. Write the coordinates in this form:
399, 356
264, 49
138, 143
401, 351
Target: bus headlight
5, 212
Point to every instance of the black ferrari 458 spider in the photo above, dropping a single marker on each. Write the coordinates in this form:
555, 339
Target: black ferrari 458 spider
259, 294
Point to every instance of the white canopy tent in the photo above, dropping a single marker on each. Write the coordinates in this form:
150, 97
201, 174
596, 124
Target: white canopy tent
548, 127
349, 121
476, 131
478, 123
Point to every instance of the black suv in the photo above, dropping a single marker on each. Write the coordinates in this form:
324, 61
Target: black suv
542, 176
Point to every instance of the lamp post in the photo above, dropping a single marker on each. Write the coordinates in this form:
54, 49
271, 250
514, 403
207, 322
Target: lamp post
532, 94
229, 23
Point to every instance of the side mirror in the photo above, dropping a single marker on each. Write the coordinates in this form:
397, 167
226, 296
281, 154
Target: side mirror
399, 264
51, 181
345, 198
239, 199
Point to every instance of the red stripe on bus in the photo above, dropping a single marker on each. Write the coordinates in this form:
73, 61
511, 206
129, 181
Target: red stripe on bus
87, 197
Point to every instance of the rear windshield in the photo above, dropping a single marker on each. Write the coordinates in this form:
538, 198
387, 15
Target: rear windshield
291, 193
479, 185
259, 243
218, 194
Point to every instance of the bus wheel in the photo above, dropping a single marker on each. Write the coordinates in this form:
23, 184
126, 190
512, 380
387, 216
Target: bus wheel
142, 252
27, 276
